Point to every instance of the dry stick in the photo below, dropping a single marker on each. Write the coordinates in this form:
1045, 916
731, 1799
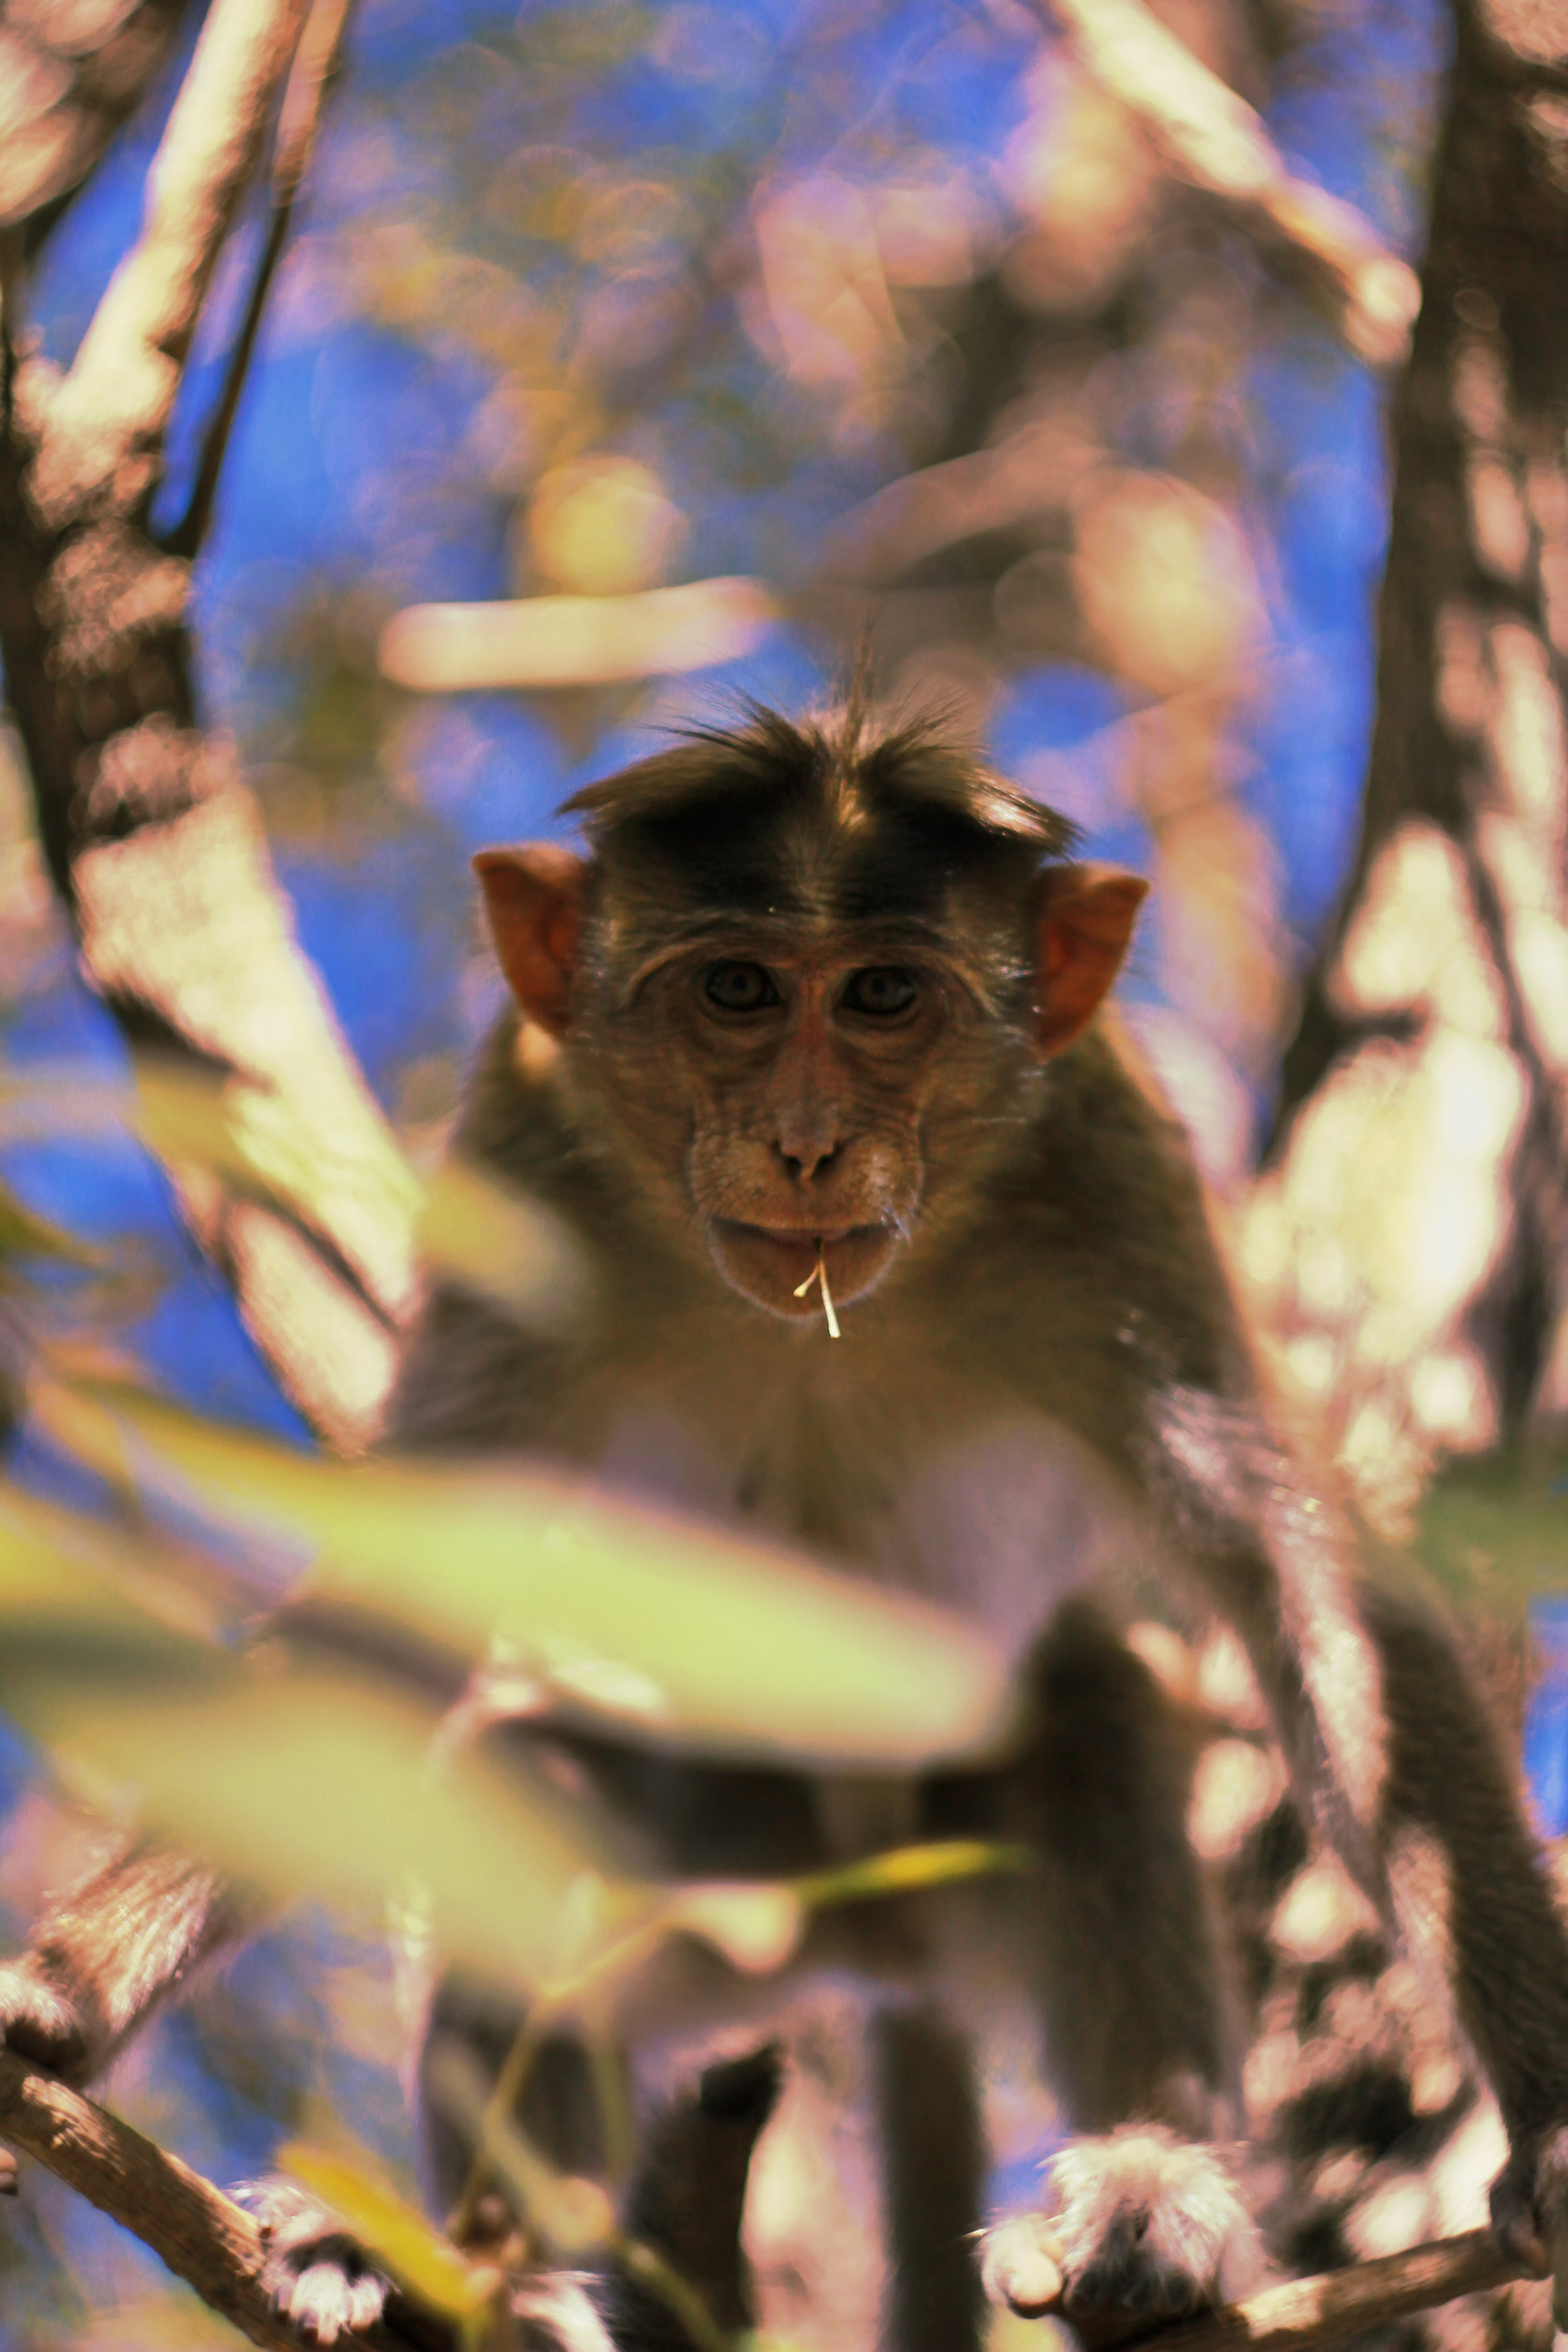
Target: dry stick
818, 1274
202, 2237
180, 919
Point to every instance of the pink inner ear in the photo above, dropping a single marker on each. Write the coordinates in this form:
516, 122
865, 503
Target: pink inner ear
533, 901
1085, 930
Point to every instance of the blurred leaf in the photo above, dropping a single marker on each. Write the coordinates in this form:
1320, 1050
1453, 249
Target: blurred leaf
655, 1623
23, 1234
321, 1782
490, 1239
757, 1930
417, 2253
909, 1867
558, 641
316, 1784
259, 1147
1495, 1532
73, 1631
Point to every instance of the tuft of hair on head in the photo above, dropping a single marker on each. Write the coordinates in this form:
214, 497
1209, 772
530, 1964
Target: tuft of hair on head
839, 774
859, 696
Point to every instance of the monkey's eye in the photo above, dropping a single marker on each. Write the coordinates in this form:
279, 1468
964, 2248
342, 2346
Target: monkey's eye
739, 987
882, 990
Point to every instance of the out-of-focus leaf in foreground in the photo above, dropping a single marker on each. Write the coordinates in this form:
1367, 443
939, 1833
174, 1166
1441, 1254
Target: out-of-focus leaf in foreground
316, 1781
660, 1625
257, 1146
24, 1235
417, 2254
1495, 1532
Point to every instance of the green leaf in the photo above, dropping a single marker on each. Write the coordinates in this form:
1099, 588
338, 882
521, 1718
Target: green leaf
325, 1782
638, 1617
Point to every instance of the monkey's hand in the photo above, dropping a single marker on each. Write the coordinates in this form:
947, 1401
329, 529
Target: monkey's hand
318, 2272
1530, 2213
44, 2019
1141, 2222
314, 2271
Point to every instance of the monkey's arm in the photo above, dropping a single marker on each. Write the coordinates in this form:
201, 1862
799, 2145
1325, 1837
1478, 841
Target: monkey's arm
1473, 1893
1393, 1749
106, 1956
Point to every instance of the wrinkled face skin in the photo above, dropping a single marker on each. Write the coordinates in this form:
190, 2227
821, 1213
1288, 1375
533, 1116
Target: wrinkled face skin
799, 1088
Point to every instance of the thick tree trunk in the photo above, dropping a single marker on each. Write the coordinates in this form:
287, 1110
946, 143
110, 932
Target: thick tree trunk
1410, 1232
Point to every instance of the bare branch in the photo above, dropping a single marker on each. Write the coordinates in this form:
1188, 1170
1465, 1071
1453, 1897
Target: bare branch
1306, 2313
1216, 142
107, 422
148, 831
315, 65
202, 2237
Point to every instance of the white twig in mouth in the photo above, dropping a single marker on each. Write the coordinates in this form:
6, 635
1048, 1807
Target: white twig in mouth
818, 1274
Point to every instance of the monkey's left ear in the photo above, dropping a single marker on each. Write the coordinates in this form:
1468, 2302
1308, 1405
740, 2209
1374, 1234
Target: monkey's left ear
1084, 923
533, 900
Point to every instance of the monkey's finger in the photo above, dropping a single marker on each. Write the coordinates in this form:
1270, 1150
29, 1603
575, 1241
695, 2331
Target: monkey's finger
9, 2182
1550, 2216
1020, 2265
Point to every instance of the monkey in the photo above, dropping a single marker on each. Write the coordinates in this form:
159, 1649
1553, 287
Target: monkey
813, 1031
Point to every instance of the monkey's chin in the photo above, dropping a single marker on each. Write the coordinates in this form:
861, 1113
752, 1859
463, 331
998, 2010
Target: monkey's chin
770, 1263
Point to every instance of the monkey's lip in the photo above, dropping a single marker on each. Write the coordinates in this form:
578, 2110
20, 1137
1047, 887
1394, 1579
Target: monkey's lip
768, 1264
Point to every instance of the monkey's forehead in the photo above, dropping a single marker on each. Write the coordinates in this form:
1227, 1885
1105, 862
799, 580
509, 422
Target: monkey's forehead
846, 865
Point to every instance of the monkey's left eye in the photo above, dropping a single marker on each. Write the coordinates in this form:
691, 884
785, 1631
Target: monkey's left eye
739, 987
882, 990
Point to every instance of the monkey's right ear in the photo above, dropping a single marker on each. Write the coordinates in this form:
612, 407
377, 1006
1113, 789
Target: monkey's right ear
533, 902
1084, 928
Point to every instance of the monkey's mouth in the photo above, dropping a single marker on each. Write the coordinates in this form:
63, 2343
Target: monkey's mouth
770, 1263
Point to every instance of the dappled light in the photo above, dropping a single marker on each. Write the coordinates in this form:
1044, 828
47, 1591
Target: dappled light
413, 414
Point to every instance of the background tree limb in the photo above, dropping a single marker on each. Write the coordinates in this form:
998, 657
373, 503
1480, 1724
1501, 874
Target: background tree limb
149, 835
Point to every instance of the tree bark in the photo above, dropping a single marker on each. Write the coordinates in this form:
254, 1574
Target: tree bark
1410, 1232
149, 832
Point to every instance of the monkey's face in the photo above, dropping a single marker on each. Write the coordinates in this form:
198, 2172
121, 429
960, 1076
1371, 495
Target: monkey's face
799, 1097
804, 1008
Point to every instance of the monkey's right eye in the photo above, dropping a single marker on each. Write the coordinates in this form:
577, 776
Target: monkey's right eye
739, 987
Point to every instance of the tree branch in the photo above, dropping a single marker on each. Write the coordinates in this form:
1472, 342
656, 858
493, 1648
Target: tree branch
107, 422
70, 81
1213, 139
202, 2237
149, 833
211, 2243
1306, 2313
315, 65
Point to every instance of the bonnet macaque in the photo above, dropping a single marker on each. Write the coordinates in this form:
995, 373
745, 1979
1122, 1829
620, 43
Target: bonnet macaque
892, 1253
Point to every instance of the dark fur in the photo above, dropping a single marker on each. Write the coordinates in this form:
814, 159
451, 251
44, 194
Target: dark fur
1053, 1273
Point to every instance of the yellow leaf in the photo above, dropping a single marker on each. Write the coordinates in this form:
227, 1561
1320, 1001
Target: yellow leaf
908, 1866
413, 2249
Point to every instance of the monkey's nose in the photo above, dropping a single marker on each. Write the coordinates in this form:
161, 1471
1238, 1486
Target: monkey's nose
809, 1162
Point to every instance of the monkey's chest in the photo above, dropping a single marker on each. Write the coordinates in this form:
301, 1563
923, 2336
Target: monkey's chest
999, 1516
